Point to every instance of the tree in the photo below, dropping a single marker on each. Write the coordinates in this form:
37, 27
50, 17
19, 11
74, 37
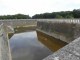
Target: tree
76, 13
69, 16
16, 16
59, 16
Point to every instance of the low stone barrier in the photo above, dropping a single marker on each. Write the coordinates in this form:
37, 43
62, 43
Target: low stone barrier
5, 53
69, 52
19, 22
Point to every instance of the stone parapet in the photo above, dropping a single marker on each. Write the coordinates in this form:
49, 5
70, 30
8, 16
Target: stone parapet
69, 52
5, 53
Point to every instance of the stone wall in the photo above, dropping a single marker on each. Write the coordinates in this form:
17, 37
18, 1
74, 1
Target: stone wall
4, 44
21, 22
68, 52
65, 31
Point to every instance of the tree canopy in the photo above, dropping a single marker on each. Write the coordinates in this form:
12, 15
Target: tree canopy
63, 14
59, 16
16, 16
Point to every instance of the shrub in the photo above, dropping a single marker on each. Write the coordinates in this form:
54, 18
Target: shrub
41, 27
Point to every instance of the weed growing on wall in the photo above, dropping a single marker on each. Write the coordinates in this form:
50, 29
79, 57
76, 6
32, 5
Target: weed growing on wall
41, 27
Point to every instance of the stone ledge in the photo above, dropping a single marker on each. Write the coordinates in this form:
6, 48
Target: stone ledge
69, 52
4, 44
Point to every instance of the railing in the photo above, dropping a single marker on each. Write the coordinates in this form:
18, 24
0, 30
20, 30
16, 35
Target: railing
61, 20
77, 20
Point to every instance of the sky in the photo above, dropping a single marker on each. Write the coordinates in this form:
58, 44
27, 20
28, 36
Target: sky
32, 7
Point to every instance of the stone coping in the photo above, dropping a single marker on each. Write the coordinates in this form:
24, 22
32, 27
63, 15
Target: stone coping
69, 52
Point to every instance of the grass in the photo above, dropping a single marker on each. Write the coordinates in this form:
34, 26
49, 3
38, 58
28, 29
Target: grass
46, 28
41, 27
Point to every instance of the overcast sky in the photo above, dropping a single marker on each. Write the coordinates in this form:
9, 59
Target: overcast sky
32, 7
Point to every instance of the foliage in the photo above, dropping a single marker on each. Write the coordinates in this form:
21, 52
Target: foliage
16, 16
63, 14
58, 16
41, 27
69, 16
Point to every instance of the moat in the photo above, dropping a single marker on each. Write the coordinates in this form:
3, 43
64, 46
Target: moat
33, 45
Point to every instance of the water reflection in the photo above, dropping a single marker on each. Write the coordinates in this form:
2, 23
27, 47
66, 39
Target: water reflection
25, 29
22, 29
25, 46
52, 43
